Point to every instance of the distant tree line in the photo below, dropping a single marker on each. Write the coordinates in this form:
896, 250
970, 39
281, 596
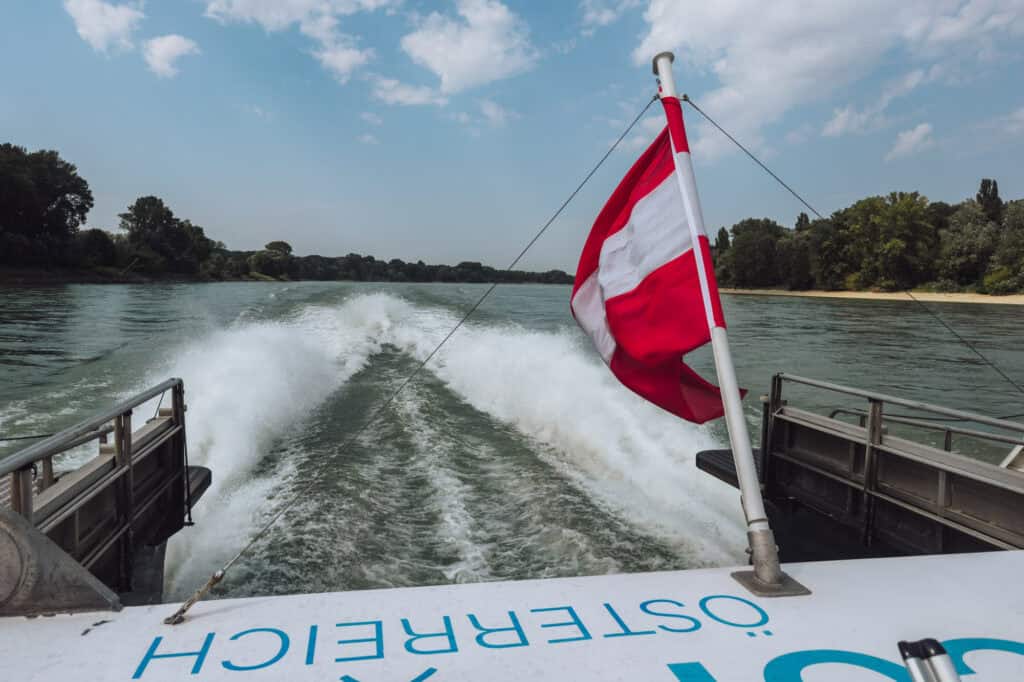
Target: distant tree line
44, 203
896, 242
893, 242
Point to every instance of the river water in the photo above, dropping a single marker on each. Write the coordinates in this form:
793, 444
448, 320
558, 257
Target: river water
514, 455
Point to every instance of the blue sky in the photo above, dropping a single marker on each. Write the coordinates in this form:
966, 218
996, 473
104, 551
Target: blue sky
451, 130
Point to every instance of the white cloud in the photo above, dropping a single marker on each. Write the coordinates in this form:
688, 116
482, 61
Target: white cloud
771, 58
1007, 125
391, 91
162, 53
598, 13
371, 118
850, 120
951, 23
495, 114
563, 46
367, 138
104, 25
491, 114
1013, 123
341, 59
337, 52
800, 134
487, 42
272, 15
911, 141
645, 131
277, 15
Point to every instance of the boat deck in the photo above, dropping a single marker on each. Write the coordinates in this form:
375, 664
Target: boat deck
691, 626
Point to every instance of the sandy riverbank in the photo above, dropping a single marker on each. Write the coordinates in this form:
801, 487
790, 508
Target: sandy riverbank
927, 296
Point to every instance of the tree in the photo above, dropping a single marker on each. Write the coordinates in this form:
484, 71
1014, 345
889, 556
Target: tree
95, 248
829, 268
793, 260
859, 230
803, 222
279, 247
470, 271
893, 241
43, 201
1005, 273
164, 243
237, 265
752, 252
720, 257
988, 198
966, 246
908, 242
887, 241
722, 240
147, 219
939, 213
198, 247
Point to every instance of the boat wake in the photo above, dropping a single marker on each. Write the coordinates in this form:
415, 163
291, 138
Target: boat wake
505, 423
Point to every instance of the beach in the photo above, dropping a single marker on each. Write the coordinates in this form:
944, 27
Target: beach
926, 296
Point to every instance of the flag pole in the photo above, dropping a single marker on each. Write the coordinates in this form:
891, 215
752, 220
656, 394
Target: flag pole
767, 578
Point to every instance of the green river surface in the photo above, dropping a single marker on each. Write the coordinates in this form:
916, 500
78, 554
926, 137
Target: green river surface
515, 454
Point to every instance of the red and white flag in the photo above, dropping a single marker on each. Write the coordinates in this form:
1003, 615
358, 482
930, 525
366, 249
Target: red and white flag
639, 291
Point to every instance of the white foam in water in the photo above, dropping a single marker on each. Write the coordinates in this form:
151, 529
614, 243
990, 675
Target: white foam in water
248, 384
450, 493
245, 386
634, 457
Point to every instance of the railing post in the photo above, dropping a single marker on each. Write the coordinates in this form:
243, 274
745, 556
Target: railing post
21, 492
771, 407
874, 439
766, 418
125, 489
126, 455
775, 398
48, 478
178, 404
181, 451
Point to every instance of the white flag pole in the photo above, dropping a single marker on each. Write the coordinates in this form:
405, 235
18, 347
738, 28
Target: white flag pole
767, 578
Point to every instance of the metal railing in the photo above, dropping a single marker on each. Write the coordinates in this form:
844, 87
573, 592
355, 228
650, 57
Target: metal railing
958, 491
102, 518
947, 431
1014, 437
912, 404
22, 465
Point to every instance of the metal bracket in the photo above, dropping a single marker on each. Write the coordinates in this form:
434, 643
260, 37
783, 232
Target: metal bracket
786, 587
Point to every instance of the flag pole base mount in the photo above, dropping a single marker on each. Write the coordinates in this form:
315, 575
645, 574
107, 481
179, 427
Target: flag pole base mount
785, 587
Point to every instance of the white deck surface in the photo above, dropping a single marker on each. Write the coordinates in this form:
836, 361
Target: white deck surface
695, 626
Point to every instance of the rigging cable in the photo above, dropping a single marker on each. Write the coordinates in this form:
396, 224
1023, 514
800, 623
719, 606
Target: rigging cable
948, 419
965, 342
803, 201
686, 98
179, 615
32, 437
